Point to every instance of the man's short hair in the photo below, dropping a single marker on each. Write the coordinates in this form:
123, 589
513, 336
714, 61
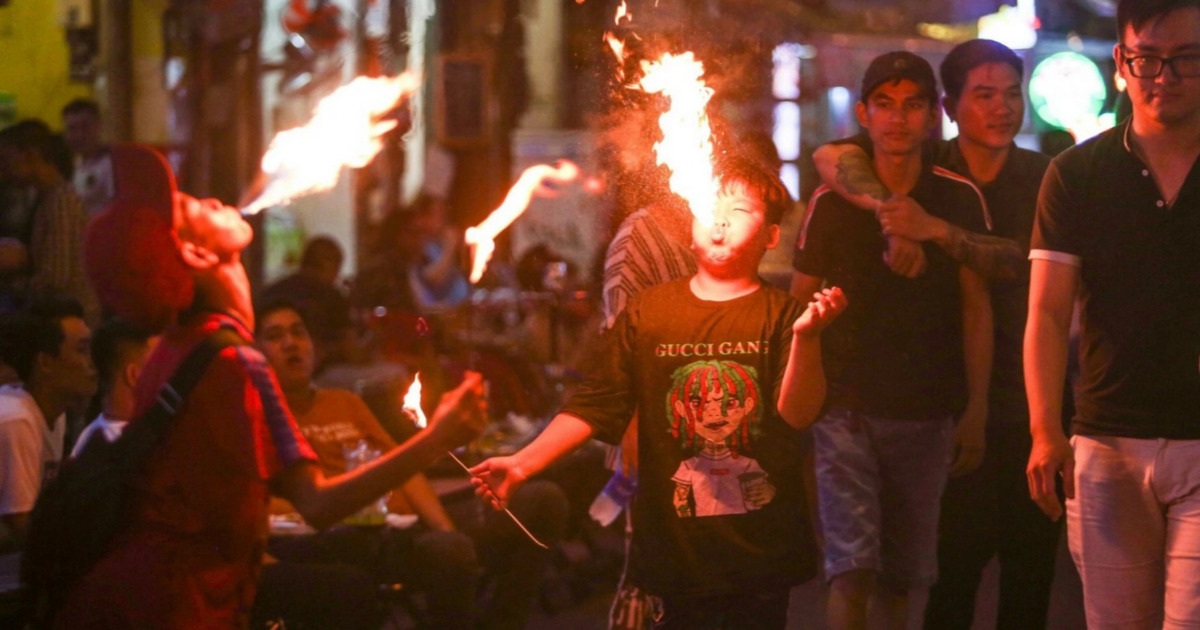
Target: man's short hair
111, 344
81, 106
967, 56
270, 305
36, 330
320, 249
758, 180
1139, 13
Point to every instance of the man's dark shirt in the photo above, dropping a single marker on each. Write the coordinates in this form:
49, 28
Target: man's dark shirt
1139, 262
898, 351
1012, 203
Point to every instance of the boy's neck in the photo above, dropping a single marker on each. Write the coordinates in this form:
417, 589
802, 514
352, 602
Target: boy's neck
715, 288
898, 172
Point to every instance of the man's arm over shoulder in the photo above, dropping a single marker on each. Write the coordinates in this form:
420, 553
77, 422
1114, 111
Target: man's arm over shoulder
966, 239
846, 168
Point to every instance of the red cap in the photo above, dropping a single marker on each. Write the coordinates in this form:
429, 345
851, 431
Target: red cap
131, 251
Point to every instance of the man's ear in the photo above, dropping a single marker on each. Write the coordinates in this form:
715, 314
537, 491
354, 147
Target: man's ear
130, 374
41, 363
860, 110
196, 256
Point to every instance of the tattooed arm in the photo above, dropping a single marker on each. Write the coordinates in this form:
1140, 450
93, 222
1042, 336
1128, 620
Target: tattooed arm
848, 171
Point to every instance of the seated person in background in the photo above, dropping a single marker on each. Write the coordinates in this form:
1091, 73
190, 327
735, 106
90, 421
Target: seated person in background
436, 278
119, 351
28, 157
314, 288
434, 560
49, 346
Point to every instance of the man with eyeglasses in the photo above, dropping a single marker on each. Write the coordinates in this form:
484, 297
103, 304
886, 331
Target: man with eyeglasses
1119, 224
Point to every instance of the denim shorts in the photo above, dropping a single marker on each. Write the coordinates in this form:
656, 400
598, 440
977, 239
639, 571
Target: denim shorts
879, 488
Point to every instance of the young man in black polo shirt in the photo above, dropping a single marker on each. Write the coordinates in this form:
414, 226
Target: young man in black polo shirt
908, 359
985, 512
1118, 223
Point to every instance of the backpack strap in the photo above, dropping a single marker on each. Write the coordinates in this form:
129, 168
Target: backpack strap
141, 436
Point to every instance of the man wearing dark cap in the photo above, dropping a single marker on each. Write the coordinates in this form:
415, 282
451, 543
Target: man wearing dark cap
906, 363
986, 512
189, 554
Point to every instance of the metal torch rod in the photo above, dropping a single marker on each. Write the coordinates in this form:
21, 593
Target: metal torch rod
506, 510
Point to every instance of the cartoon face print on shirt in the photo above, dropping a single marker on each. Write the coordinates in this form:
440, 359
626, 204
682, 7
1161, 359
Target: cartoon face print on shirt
715, 410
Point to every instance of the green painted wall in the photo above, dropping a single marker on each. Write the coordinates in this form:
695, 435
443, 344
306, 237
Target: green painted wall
33, 60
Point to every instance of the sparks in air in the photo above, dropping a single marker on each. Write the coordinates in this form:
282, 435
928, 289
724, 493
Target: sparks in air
412, 401
686, 147
345, 131
482, 238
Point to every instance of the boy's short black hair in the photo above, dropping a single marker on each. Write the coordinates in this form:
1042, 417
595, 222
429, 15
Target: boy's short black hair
110, 344
1139, 13
759, 180
967, 56
36, 330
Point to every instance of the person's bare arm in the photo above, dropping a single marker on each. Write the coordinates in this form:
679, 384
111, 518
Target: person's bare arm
993, 257
426, 504
848, 171
322, 501
496, 479
978, 339
1052, 289
802, 391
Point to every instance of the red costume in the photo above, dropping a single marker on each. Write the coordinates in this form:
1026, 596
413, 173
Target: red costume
192, 555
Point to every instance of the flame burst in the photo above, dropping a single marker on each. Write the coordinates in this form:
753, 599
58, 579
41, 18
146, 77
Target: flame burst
481, 238
412, 401
686, 148
344, 132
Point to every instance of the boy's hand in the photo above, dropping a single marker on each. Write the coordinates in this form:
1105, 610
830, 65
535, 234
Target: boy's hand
461, 414
969, 443
496, 480
825, 307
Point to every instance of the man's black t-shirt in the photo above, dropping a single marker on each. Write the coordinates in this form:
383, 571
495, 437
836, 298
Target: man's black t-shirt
897, 351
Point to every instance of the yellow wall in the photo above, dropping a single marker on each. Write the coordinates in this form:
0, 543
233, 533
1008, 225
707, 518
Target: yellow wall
33, 60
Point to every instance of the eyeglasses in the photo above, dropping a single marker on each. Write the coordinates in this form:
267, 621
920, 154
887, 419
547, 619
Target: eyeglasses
1149, 66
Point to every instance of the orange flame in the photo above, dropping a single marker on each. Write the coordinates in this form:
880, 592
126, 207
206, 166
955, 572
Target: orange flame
344, 132
412, 401
686, 147
622, 12
481, 238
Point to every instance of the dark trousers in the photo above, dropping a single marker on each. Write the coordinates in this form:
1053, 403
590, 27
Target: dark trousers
988, 513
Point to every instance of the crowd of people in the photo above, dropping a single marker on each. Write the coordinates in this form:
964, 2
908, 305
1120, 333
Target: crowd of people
892, 421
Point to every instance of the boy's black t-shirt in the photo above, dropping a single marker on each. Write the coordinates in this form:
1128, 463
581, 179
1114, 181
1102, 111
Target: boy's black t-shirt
710, 517
897, 351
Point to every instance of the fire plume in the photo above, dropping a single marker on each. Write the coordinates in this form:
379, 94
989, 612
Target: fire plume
481, 238
412, 401
345, 131
686, 147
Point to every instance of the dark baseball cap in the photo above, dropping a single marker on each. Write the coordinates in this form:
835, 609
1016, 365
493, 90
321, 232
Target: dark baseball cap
898, 65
